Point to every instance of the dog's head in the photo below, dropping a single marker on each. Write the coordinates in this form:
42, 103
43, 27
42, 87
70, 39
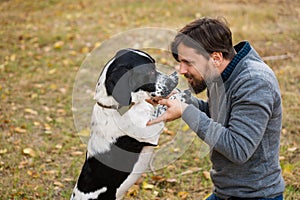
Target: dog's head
132, 70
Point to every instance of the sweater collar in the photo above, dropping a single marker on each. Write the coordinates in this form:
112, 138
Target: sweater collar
242, 50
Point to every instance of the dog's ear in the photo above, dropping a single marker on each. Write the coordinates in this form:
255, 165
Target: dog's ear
117, 85
122, 90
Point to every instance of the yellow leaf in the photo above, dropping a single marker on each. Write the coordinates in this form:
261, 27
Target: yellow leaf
84, 50
163, 61
133, 191
13, 57
73, 53
97, 44
34, 95
147, 186
66, 62
20, 130
53, 86
3, 151
58, 44
29, 151
52, 71
183, 194
30, 111
288, 168
33, 174
47, 126
36, 123
185, 128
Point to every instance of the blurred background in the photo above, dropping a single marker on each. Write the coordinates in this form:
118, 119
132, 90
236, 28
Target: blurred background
44, 43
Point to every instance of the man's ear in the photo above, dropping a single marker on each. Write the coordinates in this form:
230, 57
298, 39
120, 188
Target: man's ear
217, 58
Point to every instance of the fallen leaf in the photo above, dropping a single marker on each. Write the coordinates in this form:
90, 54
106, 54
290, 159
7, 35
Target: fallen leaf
157, 178
59, 184
30, 111
183, 194
190, 171
206, 175
58, 44
84, 50
20, 130
77, 153
53, 86
72, 53
292, 149
147, 186
68, 179
185, 128
281, 158
167, 131
163, 61
133, 191
36, 123
13, 57
52, 71
30, 152
3, 151
34, 95
61, 112
47, 129
50, 172
32, 174
172, 180
23, 164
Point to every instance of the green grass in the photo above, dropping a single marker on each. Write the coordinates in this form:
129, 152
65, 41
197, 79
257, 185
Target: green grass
43, 44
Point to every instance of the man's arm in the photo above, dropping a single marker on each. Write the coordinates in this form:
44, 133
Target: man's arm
251, 109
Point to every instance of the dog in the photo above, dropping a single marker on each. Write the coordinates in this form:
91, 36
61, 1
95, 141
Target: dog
121, 145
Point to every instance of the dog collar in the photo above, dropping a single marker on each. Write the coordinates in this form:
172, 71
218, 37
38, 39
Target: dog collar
121, 109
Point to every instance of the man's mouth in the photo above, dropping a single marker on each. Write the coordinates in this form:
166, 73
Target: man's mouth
189, 77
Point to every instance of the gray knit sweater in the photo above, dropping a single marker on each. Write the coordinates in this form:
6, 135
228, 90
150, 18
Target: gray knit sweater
241, 122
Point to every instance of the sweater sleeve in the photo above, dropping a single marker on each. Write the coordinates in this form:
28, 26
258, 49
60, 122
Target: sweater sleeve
200, 104
250, 110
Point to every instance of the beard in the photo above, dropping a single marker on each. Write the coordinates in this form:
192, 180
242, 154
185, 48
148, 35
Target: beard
196, 85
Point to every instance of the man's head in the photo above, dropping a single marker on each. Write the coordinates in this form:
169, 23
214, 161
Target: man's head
202, 43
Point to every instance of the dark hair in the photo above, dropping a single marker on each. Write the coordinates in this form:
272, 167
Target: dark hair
206, 35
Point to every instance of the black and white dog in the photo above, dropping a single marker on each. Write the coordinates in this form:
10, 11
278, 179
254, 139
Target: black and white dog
121, 145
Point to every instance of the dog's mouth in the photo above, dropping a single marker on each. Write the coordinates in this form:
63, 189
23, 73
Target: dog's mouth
165, 84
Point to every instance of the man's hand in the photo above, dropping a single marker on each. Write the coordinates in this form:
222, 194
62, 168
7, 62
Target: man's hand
154, 100
174, 111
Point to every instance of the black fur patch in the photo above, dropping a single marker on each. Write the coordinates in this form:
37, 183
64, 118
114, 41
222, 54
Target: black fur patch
111, 168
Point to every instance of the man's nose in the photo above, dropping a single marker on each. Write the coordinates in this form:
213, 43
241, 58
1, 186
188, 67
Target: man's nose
182, 68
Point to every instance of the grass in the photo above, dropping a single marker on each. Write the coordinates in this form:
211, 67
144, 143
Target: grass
43, 44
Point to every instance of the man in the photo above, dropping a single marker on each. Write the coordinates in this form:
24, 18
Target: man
241, 121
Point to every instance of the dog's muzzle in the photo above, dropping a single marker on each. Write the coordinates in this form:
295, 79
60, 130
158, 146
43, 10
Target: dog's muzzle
165, 84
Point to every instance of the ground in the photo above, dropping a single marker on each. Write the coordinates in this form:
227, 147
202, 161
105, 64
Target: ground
44, 43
